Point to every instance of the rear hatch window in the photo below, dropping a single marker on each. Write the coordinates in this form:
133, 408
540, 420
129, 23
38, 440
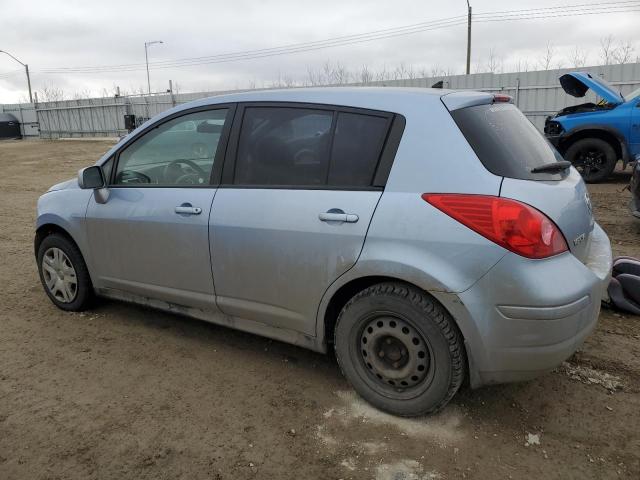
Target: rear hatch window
506, 142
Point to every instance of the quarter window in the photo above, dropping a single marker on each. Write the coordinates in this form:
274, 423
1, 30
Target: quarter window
284, 146
179, 152
356, 149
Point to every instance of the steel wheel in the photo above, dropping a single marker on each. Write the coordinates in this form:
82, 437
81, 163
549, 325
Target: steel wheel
399, 349
59, 275
395, 353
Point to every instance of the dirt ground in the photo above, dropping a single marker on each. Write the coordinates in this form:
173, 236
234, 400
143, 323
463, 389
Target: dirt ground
123, 392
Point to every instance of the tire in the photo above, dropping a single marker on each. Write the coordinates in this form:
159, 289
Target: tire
594, 158
393, 318
63, 258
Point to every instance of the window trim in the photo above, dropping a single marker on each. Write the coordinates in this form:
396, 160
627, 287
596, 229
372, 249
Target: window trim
218, 160
383, 167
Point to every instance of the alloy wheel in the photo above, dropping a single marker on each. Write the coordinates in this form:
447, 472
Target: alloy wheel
59, 275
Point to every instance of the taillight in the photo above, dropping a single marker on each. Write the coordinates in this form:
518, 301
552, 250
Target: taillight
513, 225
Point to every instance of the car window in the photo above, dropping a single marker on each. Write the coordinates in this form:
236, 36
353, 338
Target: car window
107, 167
505, 141
356, 149
179, 152
283, 146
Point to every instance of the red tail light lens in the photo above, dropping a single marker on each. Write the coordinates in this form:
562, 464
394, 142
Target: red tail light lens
513, 225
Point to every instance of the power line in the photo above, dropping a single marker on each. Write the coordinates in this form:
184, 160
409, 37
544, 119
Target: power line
569, 14
564, 7
345, 40
296, 45
249, 55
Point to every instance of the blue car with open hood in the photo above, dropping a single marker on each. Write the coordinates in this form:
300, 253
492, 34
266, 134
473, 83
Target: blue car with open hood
595, 136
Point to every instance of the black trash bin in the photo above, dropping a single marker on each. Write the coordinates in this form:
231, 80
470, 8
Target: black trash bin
9, 127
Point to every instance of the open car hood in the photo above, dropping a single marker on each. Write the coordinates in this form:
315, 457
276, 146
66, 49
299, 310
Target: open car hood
577, 84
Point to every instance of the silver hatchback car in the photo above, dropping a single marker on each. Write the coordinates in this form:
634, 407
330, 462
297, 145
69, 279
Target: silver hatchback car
427, 236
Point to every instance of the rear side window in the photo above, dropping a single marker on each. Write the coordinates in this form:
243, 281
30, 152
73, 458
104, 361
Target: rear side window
284, 146
305, 147
356, 149
505, 141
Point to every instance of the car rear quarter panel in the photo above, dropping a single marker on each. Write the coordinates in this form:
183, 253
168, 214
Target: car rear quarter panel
433, 157
409, 239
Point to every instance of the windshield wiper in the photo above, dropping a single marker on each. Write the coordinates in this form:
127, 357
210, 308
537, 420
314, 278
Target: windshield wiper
552, 167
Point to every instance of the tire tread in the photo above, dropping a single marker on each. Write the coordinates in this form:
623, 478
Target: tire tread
437, 313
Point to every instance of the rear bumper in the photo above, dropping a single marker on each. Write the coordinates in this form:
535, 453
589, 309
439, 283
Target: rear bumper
525, 317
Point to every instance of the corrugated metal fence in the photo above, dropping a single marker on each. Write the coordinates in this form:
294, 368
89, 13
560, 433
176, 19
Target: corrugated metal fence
537, 94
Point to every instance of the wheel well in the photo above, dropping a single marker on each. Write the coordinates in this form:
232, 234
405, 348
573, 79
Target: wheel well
350, 289
608, 137
45, 230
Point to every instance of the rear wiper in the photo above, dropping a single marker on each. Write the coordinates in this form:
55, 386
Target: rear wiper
552, 167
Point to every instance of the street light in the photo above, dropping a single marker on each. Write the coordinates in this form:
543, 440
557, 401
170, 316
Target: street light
146, 58
26, 67
468, 38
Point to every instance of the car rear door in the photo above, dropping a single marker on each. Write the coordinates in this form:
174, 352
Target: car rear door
150, 237
300, 185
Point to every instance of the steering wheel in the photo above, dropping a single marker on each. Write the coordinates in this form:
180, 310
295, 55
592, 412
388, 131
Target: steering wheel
126, 177
174, 173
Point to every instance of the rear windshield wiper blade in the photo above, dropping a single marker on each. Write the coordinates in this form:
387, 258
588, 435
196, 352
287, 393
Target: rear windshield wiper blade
552, 167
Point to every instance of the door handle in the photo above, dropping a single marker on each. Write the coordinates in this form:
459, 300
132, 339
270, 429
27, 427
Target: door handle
188, 209
337, 215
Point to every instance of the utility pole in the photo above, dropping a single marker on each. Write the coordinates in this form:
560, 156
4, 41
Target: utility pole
468, 38
26, 68
146, 59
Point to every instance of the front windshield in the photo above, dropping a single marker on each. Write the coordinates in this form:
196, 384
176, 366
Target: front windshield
632, 95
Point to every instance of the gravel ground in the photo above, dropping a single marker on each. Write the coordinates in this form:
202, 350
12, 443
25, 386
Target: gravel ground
123, 392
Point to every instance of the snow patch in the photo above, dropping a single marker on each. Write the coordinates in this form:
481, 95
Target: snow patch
591, 376
404, 470
443, 428
532, 439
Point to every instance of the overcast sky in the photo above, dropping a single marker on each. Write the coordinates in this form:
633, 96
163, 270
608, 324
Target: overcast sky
50, 34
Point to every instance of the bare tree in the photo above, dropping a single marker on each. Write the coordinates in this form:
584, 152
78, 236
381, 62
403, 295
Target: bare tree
365, 75
84, 93
546, 60
578, 57
607, 49
435, 71
51, 94
340, 74
382, 74
313, 77
448, 72
494, 63
623, 53
521, 66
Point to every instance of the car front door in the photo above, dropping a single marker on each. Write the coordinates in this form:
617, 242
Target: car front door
292, 213
150, 237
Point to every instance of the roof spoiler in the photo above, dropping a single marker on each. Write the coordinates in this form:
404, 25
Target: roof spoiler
457, 100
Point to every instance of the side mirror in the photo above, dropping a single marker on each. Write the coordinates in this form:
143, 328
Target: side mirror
91, 178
